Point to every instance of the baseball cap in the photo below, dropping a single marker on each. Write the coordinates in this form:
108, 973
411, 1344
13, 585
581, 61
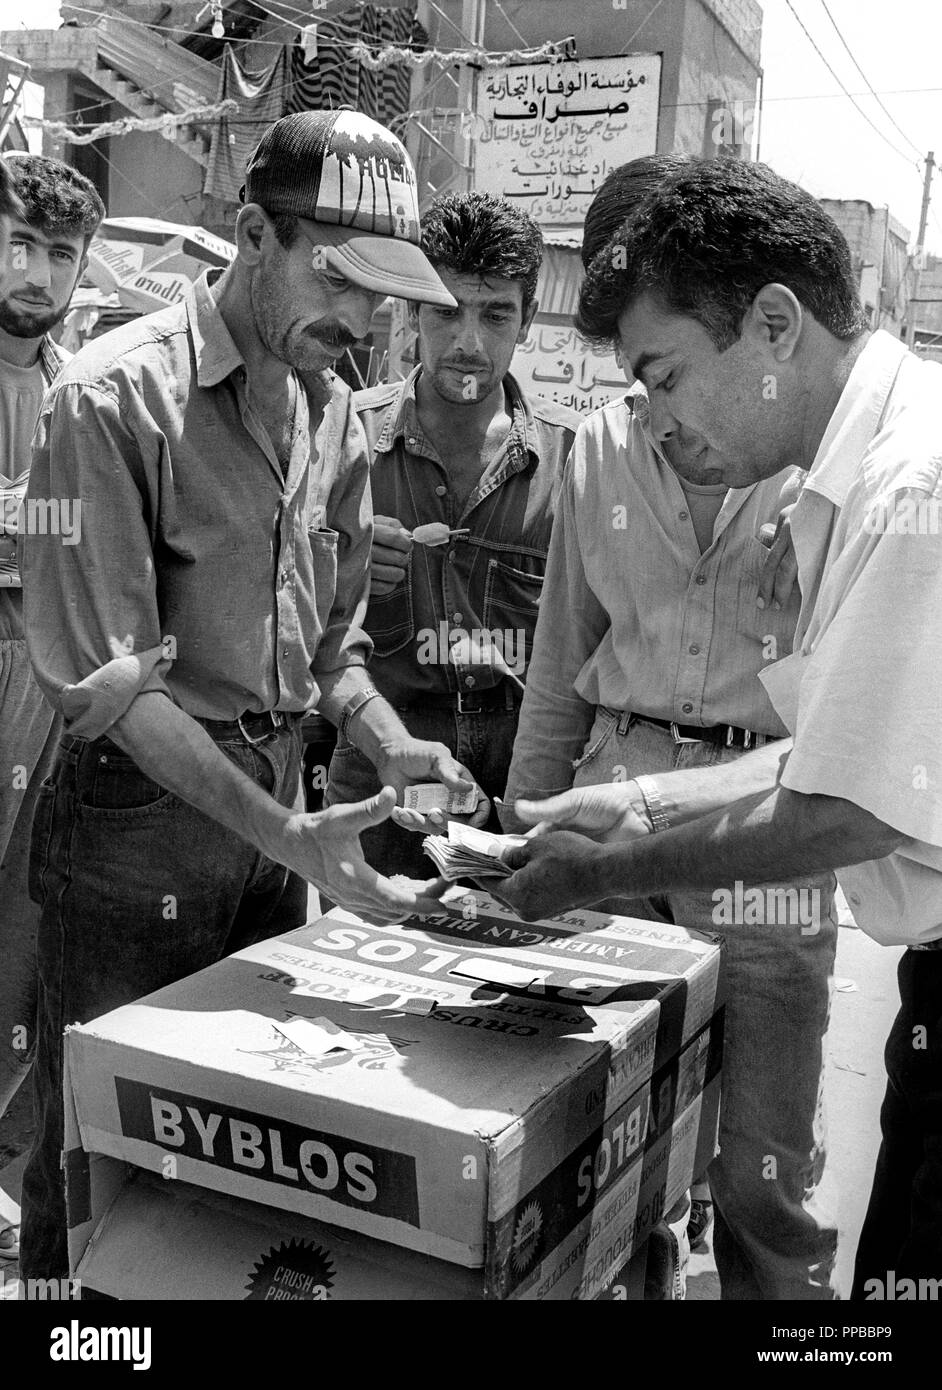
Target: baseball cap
354, 179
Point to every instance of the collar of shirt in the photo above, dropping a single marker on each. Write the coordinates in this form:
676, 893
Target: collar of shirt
52, 357
217, 356
402, 423
856, 417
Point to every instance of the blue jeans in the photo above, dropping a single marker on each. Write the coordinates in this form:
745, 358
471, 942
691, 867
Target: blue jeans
902, 1231
772, 1239
137, 889
483, 742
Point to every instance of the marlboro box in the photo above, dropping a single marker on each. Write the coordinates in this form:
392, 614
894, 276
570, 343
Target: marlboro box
468, 1086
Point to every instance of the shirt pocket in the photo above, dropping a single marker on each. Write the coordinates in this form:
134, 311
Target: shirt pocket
511, 603
324, 570
773, 628
390, 619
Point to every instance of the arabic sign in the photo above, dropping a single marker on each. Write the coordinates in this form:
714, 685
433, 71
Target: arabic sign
547, 134
555, 363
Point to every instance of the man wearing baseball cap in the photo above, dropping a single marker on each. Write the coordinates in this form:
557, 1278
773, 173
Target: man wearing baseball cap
216, 593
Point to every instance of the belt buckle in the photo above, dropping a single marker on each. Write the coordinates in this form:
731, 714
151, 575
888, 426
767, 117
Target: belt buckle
254, 741
469, 695
678, 737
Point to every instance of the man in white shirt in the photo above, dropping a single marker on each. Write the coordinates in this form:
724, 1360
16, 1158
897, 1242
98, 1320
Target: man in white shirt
734, 302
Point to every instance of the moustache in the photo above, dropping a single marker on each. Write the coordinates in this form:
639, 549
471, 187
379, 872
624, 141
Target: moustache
335, 336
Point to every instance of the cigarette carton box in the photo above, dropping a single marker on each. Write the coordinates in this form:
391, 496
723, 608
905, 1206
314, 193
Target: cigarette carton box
468, 1086
162, 1239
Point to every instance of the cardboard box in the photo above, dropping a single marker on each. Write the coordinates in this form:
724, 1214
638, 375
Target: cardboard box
169, 1240
484, 1065
173, 1241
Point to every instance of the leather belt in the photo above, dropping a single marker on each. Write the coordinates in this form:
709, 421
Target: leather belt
254, 728
496, 699
725, 735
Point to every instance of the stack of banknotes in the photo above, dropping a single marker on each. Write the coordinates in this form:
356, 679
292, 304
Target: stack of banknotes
470, 853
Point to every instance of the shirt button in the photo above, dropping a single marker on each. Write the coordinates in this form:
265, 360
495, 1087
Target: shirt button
451, 557
457, 617
701, 579
284, 576
683, 516
441, 490
687, 708
693, 649
412, 440
284, 651
469, 681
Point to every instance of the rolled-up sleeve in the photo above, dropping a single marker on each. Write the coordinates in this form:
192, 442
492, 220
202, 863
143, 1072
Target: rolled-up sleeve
554, 720
350, 513
90, 601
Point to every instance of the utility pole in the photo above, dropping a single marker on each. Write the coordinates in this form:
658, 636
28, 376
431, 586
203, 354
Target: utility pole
917, 259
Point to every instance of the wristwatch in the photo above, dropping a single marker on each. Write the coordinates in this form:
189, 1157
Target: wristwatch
652, 800
354, 705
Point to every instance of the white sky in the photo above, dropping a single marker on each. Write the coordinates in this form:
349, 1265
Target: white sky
810, 130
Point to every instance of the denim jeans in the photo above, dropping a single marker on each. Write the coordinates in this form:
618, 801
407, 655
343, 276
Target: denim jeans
772, 1239
902, 1231
137, 889
29, 735
483, 742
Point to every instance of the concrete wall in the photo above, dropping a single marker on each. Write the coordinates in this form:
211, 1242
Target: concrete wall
151, 177
877, 243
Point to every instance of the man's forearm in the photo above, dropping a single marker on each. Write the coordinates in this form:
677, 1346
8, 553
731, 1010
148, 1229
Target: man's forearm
374, 726
770, 836
691, 793
176, 752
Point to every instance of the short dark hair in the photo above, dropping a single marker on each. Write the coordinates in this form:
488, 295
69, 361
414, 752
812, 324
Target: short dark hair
705, 241
619, 195
55, 197
480, 234
286, 228
10, 205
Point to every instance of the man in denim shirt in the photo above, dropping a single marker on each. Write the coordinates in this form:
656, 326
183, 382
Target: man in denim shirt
457, 443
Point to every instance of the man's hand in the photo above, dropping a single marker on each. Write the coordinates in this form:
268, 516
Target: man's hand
553, 873
415, 760
389, 559
610, 812
324, 848
780, 569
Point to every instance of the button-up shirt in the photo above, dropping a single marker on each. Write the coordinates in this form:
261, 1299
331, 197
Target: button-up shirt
200, 570
862, 693
14, 467
634, 617
463, 617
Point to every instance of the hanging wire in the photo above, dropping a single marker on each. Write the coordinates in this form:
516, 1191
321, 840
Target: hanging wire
905, 157
867, 81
